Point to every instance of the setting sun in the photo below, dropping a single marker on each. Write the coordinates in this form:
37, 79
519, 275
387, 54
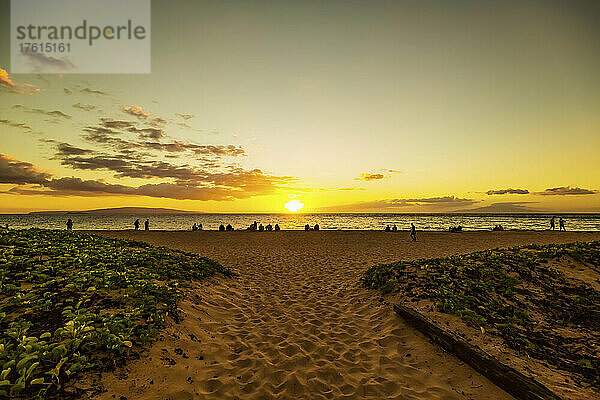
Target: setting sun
294, 205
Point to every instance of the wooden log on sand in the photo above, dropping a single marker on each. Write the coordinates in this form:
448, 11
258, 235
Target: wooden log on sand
507, 378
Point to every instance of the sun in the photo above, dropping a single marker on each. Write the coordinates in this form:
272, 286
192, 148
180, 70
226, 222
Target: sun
294, 205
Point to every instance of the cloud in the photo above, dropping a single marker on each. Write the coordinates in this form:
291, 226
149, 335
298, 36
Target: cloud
378, 175
84, 107
5, 80
191, 185
565, 191
14, 124
20, 172
507, 191
185, 116
67, 91
41, 62
87, 90
136, 111
370, 177
54, 113
428, 203
8, 85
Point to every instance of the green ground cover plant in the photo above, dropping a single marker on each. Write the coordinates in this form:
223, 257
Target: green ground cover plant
518, 294
71, 302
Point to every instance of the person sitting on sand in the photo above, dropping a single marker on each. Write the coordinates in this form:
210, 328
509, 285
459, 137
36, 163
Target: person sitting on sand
147, 225
69, 225
136, 224
222, 228
552, 224
388, 229
317, 227
394, 228
307, 227
277, 228
269, 227
413, 232
194, 227
561, 224
229, 228
199, 227
261, 228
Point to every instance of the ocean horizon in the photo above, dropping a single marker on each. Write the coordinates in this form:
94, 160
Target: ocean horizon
326, 221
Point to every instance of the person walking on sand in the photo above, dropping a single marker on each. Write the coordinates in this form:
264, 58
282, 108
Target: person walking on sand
561, 224
552, 226
136, 224
69, 225
147, 225
413, 232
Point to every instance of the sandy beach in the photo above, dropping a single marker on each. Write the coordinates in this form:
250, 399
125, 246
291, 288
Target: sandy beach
296, 324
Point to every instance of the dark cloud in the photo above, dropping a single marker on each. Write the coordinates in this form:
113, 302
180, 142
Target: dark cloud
565, 191
14, 124
377, 175
84, 107
54, 113
20, 172
87, 90
507, 191
190, 184
42, 62
370, 177
150, 133
185, 116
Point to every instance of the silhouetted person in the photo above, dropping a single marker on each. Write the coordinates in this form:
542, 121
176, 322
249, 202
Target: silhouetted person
552, 225
199, 227
561, 224
222, 228
147, 225
277, 228
307, 227
194, 227
269, 227
413, 232
394, 228
317, 227
69, 225
136, 224
229, 228
388, 229
261, 228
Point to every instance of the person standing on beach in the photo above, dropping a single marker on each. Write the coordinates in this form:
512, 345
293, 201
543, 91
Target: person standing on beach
147, 225
552, 226
69, 225
413, 232
136, 224
561, 224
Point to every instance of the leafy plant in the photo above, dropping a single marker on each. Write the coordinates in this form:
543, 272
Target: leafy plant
71, 302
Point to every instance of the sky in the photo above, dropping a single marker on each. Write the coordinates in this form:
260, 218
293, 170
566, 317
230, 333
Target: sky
345, 106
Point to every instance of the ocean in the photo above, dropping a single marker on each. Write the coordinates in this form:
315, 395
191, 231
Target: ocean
332, 221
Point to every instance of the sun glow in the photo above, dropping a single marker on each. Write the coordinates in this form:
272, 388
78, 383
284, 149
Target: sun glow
294, 205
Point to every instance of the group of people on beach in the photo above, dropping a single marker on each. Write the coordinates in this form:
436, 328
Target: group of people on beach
413, 230
561, 224
260, 227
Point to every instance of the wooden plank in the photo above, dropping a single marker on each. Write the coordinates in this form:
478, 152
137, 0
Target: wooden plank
507, 378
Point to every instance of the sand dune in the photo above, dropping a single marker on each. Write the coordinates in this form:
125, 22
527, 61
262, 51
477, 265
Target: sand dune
295, 324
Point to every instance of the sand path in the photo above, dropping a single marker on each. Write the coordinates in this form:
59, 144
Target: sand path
296, 325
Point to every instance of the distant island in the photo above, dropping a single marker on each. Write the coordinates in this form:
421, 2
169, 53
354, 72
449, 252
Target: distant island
121, 210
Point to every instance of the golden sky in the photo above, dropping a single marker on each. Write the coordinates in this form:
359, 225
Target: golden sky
378, 106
